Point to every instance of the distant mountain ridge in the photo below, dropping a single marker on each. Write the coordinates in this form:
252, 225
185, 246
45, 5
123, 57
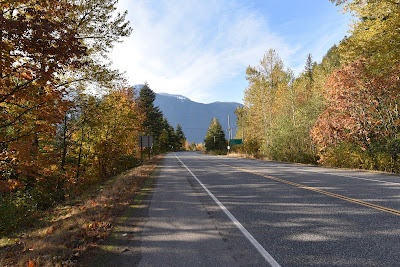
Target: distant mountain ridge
195, 117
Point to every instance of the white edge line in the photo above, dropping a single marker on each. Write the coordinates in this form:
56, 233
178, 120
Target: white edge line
246, 233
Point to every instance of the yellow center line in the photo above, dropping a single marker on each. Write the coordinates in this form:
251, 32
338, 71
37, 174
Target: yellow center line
353, 200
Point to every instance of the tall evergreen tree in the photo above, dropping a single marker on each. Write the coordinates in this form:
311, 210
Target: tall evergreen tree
153, 123
180, 137
215, 137
308, 69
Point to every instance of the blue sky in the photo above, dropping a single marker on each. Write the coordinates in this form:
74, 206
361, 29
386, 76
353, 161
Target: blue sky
200, 49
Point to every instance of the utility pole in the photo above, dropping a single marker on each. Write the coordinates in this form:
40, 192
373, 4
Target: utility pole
214, 141
229, 134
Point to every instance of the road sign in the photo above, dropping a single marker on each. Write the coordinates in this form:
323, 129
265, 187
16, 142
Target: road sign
145, 141
233, 142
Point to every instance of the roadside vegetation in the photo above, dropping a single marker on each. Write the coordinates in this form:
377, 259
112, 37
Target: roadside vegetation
63, 235
215, 141
68, 122
343, 111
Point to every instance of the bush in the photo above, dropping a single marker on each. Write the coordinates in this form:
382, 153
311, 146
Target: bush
218, 152
16, 210
382, 156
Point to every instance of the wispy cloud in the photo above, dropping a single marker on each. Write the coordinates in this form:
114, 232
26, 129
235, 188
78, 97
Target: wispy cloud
191, 46
201, 48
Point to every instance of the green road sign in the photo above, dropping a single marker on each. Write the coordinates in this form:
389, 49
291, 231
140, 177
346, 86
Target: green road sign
236, 142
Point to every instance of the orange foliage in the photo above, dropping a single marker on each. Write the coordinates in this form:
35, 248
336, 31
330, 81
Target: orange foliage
36, 44
10, 185
361, 108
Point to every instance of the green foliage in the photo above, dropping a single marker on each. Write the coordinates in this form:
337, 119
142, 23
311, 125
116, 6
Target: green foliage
153, 123
375, 34
166, 138
180, 138
252, 146
192, 146
163, 141
280, 110
16, 210
51, 138
215, 138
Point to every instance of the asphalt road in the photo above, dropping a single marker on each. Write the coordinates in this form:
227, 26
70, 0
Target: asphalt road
257, 213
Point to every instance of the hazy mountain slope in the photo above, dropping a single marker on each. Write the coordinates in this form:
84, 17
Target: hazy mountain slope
195, 117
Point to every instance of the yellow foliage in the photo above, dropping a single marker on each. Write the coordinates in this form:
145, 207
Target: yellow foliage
375, 33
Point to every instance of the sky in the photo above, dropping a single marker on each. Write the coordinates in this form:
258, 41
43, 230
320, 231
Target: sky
201, 48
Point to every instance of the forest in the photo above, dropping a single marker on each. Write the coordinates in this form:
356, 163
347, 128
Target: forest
341, 112
67, 119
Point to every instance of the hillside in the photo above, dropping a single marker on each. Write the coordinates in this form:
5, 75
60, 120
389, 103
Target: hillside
195, 117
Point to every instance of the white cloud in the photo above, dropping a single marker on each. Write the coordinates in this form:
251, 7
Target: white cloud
189, 47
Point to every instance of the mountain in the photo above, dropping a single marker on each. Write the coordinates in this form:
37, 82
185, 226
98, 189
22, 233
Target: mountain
195, 117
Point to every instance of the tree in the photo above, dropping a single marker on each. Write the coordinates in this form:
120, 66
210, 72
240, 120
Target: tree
374, 34
164, 141
308, 69
36, 45
265, 83
361, 111
105, 140
49, 54
153, 123
192, 146
267, 78
180, 137
280, 109
308, 73
98, 27
215, 137
43, 47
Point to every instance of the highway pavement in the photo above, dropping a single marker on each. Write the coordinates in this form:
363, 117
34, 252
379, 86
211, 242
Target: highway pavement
219, 211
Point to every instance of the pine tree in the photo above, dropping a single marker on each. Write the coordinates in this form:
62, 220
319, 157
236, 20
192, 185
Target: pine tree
215, 137
180, 137
153, 122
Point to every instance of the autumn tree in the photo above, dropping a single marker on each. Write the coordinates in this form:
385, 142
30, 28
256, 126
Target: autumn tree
280, 109
106, 142
98, 27
265, 81
374, 33
362, 114
43, 43
46, 49
35, 46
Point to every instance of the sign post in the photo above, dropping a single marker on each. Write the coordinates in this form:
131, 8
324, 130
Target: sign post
145, 141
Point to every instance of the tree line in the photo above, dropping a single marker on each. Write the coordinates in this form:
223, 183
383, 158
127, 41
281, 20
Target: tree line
343, 111
67, 120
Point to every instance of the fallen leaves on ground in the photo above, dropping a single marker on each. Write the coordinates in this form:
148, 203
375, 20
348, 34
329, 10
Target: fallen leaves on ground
74, 229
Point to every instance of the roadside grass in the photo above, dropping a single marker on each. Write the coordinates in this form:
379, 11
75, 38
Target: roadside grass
246, 156
264, 158
67, 232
